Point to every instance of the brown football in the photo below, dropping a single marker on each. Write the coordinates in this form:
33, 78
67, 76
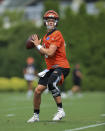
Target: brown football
29, 44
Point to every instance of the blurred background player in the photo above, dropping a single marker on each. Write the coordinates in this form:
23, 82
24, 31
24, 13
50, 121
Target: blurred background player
77, 81
29, 75
53, 48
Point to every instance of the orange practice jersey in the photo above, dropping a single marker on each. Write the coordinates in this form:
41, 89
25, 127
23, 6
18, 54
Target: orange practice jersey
59, 58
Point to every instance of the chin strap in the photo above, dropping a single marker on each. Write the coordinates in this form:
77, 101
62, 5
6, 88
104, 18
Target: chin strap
49, 27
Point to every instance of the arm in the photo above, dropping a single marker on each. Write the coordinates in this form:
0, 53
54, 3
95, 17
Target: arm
79, 74
49, 51
24, 71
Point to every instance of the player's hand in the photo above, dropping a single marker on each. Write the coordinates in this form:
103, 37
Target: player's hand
35, 40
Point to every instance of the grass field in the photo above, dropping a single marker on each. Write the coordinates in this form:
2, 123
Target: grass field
86, 113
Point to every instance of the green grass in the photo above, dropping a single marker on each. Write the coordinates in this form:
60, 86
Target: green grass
80, 112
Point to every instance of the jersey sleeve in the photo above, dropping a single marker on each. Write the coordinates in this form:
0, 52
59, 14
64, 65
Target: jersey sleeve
56, 39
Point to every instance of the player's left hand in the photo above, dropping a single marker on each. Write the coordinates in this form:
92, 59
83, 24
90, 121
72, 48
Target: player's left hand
35, 40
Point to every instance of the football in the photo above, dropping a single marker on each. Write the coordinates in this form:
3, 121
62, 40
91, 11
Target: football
29, 43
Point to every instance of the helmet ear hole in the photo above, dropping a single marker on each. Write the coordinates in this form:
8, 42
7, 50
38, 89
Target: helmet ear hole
56, 22
46, 23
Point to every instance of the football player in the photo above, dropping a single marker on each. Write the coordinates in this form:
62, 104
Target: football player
53, 48
29, 75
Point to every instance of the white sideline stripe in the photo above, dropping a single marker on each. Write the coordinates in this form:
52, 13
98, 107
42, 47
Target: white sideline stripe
10, 115
103, 115
85, 127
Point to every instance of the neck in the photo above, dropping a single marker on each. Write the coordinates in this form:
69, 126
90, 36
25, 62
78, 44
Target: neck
49, 30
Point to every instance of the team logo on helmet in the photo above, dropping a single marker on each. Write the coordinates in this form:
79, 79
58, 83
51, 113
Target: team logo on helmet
51, 14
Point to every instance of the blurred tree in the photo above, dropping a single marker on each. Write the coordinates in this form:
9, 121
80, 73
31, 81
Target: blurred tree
100, 5
82, 9
51, 5
85, 43
13, 52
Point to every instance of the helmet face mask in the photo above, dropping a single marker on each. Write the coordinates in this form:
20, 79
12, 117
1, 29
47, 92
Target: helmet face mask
50, 15
50, 23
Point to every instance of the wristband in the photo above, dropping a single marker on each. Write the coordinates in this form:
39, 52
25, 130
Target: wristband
38, 47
